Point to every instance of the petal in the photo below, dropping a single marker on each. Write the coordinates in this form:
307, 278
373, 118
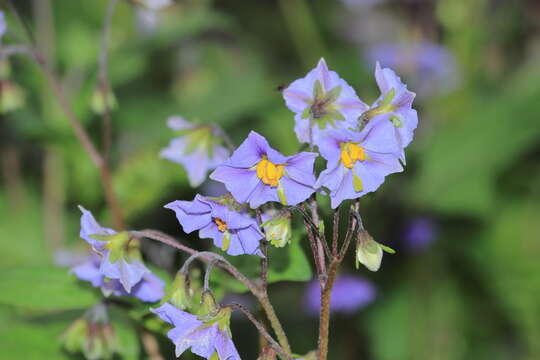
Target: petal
89, 271
192, 215
300, 168
344, 191
89, 227
225, 347
332, 178
246, 241
238, 181
149, 289
178, 123
250, 152
295, 192
381, 137
262, 194
128, 274
202, 341
177, 317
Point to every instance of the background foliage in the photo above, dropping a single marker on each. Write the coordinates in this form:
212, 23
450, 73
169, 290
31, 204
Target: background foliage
474, 170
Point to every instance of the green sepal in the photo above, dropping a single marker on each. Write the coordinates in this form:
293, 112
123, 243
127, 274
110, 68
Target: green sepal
332, 95
318, 90
388, 98
306, 114
116, 244
387, 249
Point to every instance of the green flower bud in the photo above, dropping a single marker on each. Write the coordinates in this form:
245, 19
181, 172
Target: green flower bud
369, 252
180, 293
12, 96
209, 306
278, 228
102, 100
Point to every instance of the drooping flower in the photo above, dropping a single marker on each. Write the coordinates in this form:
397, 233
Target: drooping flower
349, 294
148, 289
430, 68
119, 256
208, 335
358, 162
394, 105
257, 174
196, 148
419, 233
232, 231
321, 100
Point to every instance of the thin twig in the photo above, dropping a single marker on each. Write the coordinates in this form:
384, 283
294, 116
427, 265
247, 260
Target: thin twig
335, 232
219, 131
207, 274
322, 245
351, 230
260, 327
264, 250
103, 79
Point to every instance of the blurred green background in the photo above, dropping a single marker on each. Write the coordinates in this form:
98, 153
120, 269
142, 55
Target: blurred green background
470, 291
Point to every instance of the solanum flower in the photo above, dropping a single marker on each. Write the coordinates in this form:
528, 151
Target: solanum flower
320, 101
149, 289
3, 25
232, 231
358, 162
119, 259
349, 294
395, 105
208, 336
257, 174
196, 148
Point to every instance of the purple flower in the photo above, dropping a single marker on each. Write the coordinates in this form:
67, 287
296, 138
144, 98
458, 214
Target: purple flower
358, 162
118, 260
149, 289
196, 149
350, 293
257, 174
395, 104
205, 338
232, 231
430, 67
420, 233
320, 99
3, 25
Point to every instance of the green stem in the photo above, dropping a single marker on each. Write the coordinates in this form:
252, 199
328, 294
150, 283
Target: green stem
274, 321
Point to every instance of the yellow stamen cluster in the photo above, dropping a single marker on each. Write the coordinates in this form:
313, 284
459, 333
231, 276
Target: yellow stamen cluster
351, 153
221, 225
269, 172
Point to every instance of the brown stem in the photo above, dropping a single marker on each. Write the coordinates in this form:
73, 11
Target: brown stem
264, 259
335, 232
324, 316
321, 239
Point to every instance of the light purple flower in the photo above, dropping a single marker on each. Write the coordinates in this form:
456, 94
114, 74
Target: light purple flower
358, 162
320, 99
232, 231
420, 233
149, 289
257, 174
197, 149
429, 67
395, 105
128, 271
204, 339
3, 25
350, 293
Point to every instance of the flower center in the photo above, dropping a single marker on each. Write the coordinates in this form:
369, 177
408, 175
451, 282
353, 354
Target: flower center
351, 153
221, 225
269, 172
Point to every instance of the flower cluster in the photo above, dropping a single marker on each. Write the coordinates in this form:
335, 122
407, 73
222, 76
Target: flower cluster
115, 266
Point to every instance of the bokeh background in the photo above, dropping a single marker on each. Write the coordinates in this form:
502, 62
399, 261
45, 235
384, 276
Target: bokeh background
464, 216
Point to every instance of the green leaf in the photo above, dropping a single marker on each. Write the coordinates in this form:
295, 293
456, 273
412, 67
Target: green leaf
44, 288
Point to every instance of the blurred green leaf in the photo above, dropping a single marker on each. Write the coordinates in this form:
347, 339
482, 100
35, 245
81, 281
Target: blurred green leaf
44, 288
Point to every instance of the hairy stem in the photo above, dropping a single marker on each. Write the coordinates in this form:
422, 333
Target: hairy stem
324, 315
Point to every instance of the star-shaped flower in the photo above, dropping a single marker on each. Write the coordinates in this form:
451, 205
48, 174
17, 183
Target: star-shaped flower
234, 232
257, 174
196, 148
358, 162
207, 336
320, 101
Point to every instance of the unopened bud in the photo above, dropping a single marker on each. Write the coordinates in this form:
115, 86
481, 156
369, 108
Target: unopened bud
180, 294
369, 252
103, 100
278, 228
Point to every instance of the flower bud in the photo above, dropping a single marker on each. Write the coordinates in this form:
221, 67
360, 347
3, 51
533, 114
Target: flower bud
12, 96
209, 306
180, 294
278, 228
91, 335
103, 100
369, 252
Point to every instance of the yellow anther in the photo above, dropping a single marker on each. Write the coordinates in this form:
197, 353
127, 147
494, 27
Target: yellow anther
351, 153
221, 225
269, 172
